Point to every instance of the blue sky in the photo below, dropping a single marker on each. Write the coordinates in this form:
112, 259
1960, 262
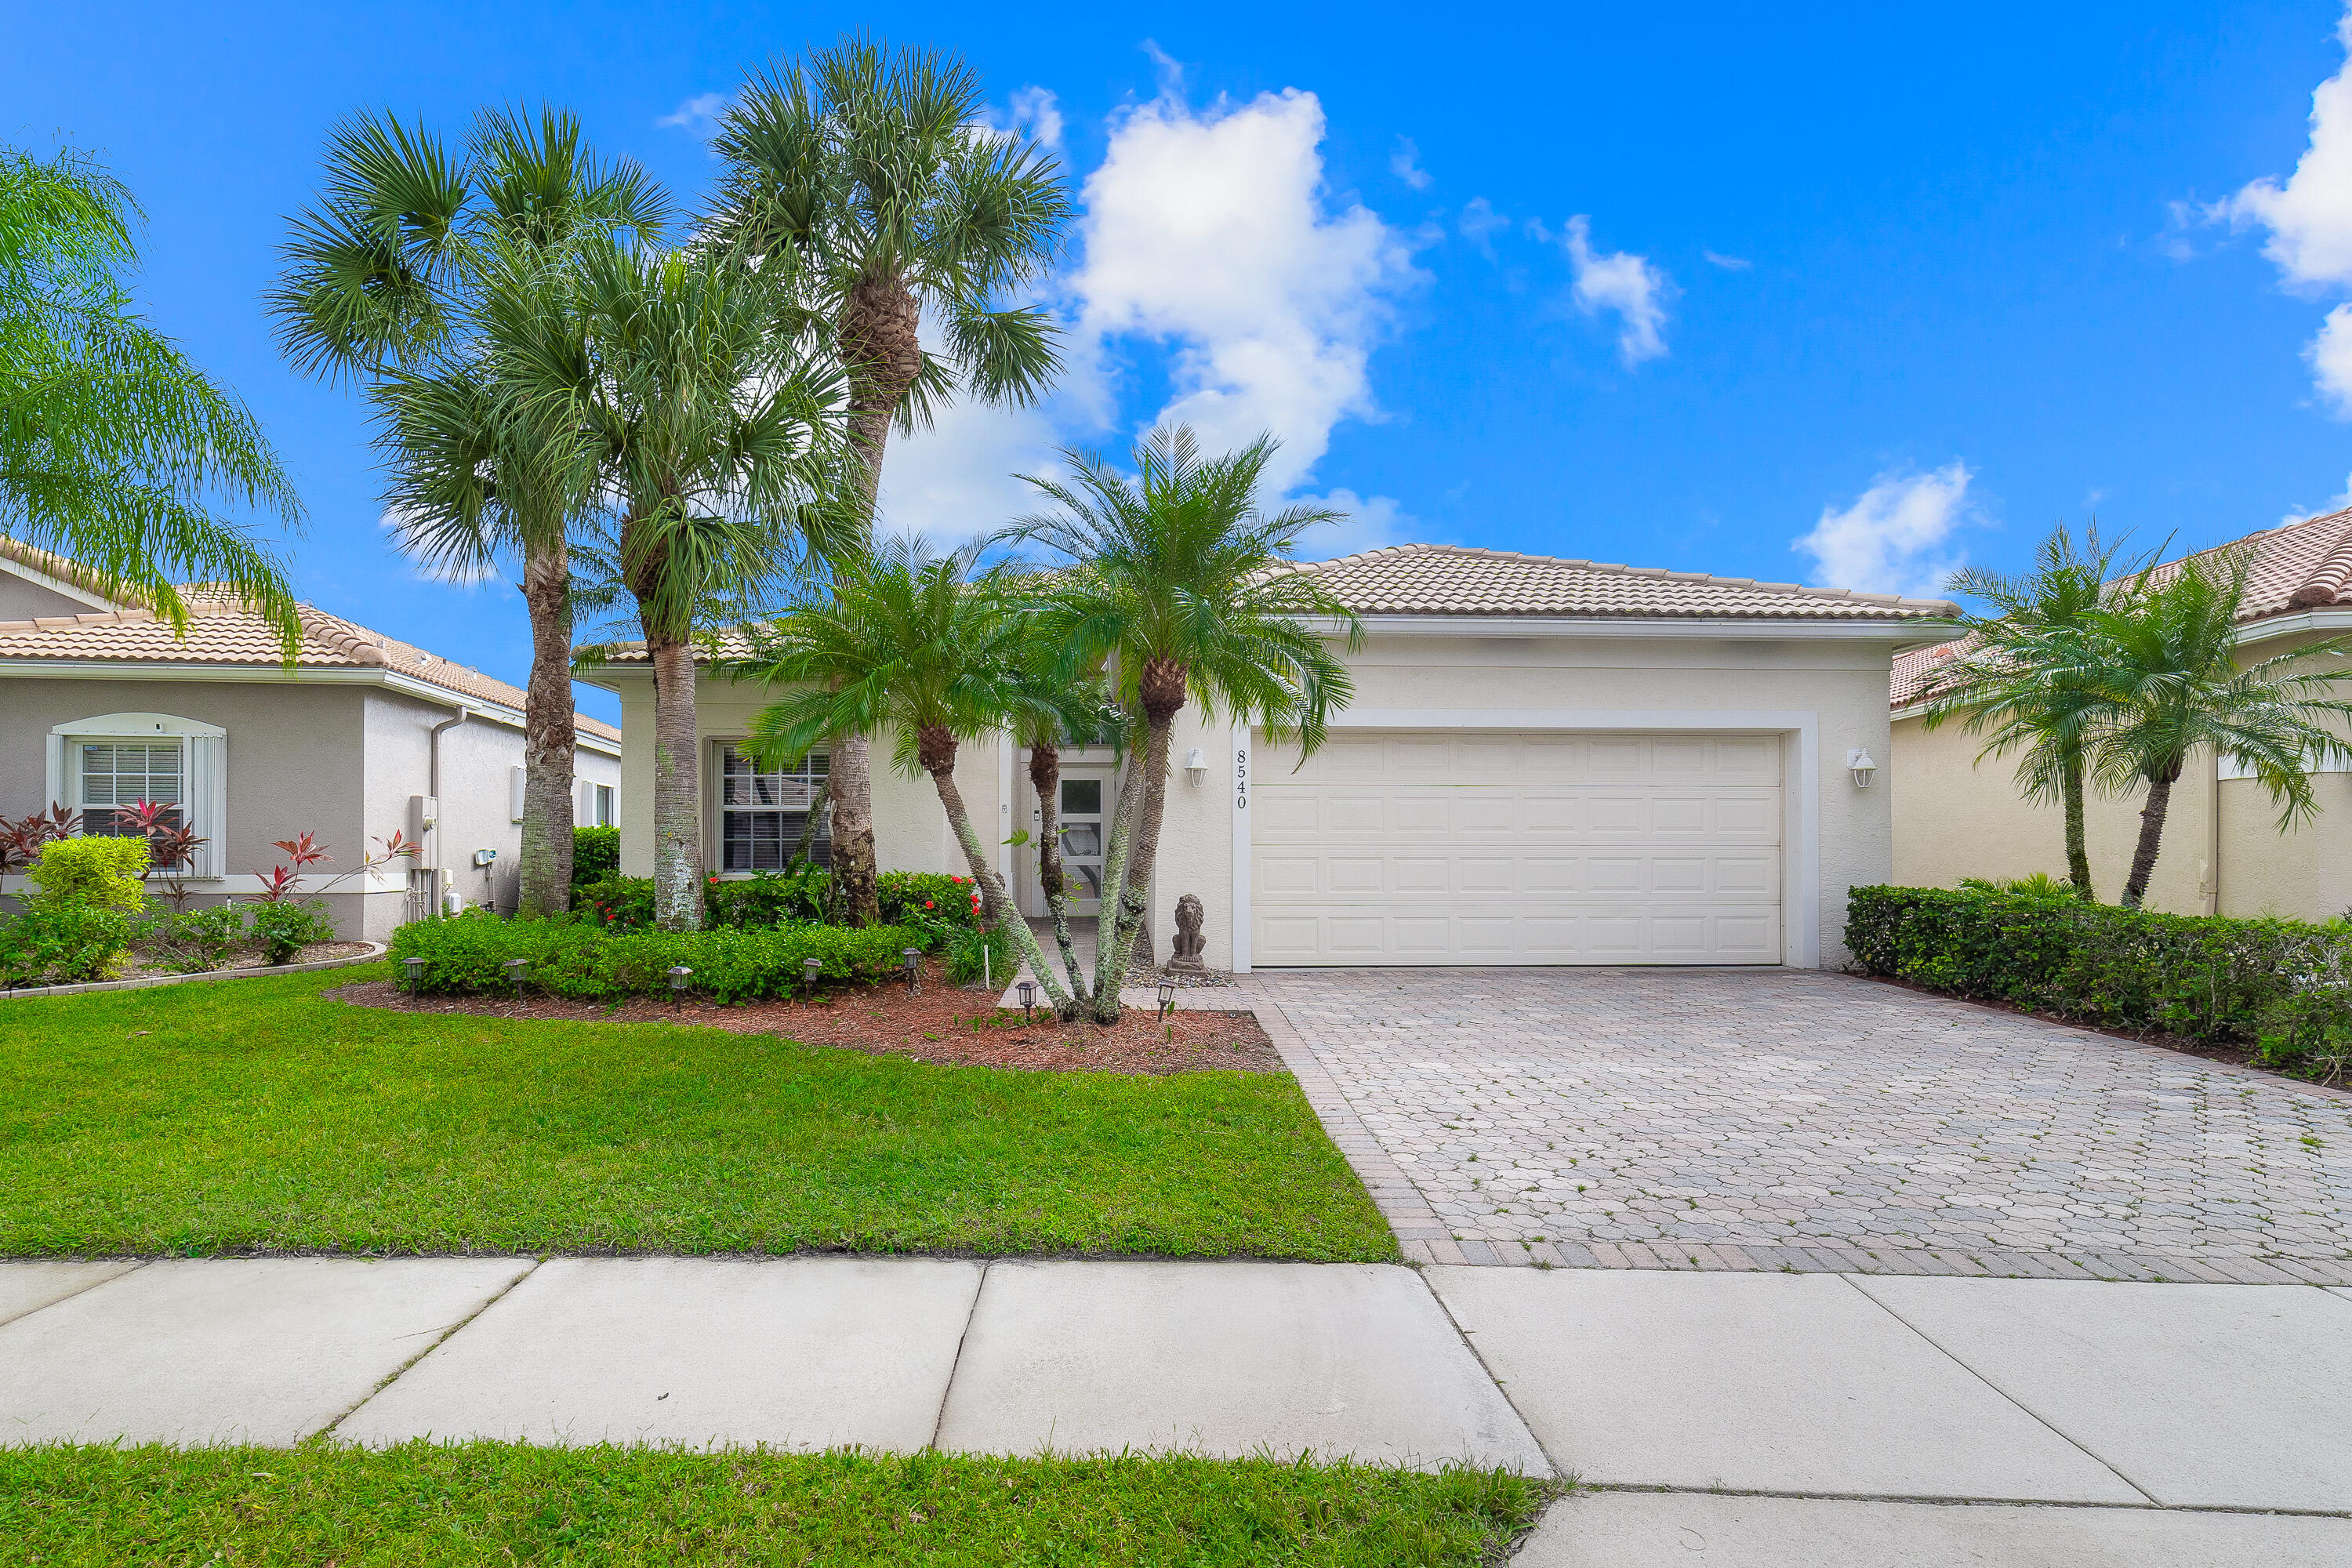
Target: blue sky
1679, 290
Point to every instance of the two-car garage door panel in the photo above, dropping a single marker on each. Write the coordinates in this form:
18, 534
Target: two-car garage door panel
1545, 848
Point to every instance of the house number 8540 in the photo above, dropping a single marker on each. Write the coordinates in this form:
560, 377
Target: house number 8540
1240, 780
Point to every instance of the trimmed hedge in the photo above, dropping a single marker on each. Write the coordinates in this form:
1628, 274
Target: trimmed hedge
595, 853
467, 953
2206, 977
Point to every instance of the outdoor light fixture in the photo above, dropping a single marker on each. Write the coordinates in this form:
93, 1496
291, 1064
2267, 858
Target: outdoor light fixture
810, 969
1167, 1004
1196, 767
515, 969
1858, 762
914, 956
415, 967
1028, 989
679, 976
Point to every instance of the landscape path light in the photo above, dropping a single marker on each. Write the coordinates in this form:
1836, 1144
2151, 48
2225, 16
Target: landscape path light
810, 969
679, 976
914, 957
515, 969
415, 967
1168, 1005
1028, 989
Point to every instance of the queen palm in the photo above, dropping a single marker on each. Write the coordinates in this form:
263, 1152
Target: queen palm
114, 447
1177, 580
2165, 663
400, 277
715, 438
2022, 684
930, 650
867, 170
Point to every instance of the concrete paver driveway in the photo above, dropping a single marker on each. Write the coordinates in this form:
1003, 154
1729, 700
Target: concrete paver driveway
1794, 1119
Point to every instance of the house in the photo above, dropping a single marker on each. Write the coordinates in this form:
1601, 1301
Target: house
101, 704
1545, 762
2223, 852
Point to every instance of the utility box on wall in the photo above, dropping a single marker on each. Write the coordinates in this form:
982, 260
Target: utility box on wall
424, 811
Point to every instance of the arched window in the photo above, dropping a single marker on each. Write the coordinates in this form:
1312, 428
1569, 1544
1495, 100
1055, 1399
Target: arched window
112, 760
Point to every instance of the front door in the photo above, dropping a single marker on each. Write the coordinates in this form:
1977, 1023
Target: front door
1085, 811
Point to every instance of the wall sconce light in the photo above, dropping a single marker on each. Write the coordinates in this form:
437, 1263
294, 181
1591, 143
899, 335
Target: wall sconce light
1196, 767
1858, 762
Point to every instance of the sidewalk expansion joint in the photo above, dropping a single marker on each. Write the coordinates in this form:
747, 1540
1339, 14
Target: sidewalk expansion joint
440, 1338
2001, 1392
1560, 1471
84, 1291
947, 1389
1947, 1501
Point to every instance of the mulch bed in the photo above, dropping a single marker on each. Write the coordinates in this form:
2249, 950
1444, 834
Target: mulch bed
245, 955
2213, 1051
936, 1024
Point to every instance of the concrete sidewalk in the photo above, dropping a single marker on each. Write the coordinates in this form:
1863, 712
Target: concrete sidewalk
1772, 1419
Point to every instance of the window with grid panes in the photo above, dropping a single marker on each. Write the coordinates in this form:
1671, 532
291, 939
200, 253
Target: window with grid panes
761, 812
125, 773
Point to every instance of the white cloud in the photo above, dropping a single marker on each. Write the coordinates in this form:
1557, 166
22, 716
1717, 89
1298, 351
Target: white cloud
1892, 538
2330, 354
699, 114
1372, 522
1405, 164
1032, 110
2310, 215
1729, 263
1480, 223
2336, 502
1622, 282
1207, 231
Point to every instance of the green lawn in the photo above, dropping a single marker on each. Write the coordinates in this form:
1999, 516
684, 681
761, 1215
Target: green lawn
257, 1115
491, 1503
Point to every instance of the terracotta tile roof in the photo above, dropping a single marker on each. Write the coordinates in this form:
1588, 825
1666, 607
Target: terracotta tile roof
1454, 580
223, 631
2296, 567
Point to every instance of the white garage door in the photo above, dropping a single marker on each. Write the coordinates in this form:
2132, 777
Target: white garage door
1429, 847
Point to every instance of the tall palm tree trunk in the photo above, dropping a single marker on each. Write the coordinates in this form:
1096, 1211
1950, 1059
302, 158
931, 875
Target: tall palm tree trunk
1112, 944
2151, 835
936, 750
881, 349
550, 738
1046, 778
678, 787
1161, 691
2078, 853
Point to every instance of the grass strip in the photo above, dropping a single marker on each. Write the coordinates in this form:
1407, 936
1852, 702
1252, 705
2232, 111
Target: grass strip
259, 1116
500, 1503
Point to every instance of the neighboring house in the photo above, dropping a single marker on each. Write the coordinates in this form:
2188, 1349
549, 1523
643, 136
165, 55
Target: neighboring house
1546, 762
101, 704
2223, 852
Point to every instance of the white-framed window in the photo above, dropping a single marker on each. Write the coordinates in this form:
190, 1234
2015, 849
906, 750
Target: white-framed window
113, 760
604, 809
761, 812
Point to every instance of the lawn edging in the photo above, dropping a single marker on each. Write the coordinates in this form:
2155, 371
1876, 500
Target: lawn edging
31, 992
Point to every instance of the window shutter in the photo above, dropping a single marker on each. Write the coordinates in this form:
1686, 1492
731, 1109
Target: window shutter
209, 801
584, 814
514, 795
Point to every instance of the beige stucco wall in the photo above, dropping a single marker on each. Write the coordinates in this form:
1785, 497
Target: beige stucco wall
2220, 853
910, 826
21, 599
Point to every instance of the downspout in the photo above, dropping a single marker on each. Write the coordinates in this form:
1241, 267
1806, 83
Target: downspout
434, 786
2213, 837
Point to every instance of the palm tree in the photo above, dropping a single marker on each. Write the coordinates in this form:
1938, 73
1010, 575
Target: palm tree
716, 437
1176, 581
2164, 662
932, 649
868, 169
112, 444
400, 277
2021, 683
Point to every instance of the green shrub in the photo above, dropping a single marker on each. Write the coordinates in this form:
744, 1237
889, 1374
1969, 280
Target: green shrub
595, 855
468, 953
759, 902
2203, 976
62, 942
964, 946
104, 872
908, 896
286, 928
192, 942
